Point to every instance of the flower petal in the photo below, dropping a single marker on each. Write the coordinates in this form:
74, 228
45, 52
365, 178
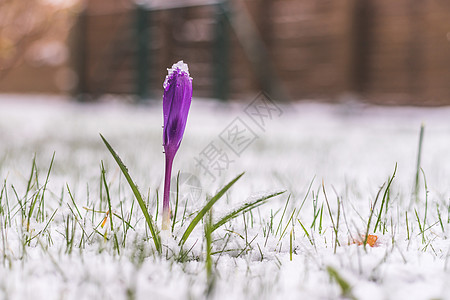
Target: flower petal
176, 103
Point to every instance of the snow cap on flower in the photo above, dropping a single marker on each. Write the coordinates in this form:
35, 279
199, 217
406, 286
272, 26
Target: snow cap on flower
176, 103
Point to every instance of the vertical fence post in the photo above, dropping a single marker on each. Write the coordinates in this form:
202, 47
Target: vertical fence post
80, 56
264, 25
415, 57
361, 39
221, 52
142, 40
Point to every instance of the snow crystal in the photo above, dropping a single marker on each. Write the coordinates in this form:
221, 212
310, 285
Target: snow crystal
177, 67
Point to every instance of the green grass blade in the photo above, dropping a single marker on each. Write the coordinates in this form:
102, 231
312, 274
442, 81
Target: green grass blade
422, 230
33, 168
439, 217
137, 194
30, 212
282, 216
207, 207
426, 198
285, 228
418, 166
345, 286
306, 232
208, 260
384, 198
245, 208
290, 244
335, 225
108, 197
41, 203
73, 201
371, 215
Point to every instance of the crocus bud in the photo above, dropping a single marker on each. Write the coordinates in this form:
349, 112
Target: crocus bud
176, 102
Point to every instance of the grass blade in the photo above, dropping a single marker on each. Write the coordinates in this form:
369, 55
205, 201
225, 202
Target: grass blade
33, 168
41, 203
366, 236
137, 194
345, 286
245, 208
73, 201
207, 207
386, 192
290, 244
418, 166
208, 260
282, 216
306, 232
108, 197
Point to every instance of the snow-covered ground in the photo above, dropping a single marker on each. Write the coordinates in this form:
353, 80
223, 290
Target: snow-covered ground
284, 249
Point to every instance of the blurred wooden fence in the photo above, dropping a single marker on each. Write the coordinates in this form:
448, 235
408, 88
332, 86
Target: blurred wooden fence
388, 52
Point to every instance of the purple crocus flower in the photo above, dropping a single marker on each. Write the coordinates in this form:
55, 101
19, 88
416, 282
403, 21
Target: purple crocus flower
176, 103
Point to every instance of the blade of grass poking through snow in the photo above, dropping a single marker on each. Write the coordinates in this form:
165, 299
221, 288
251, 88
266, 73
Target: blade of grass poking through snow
306, 232
41, 206
33, 168
30, 212
137, 194
422, 230
208, 260
346, 288
290, 244
331, 215
207, 207
336, 241
108, 197
289, 221
306, 196
419, 154
157, 204
426, 198
244, 208
439, 217
386, 191
282, 215
73, 201
448, 211
371, 215
407, 224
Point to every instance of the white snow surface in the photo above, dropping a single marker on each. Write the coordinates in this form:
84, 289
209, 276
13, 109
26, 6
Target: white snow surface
351, 148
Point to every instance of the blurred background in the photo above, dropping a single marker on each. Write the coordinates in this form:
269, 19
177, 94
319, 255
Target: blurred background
377, 51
